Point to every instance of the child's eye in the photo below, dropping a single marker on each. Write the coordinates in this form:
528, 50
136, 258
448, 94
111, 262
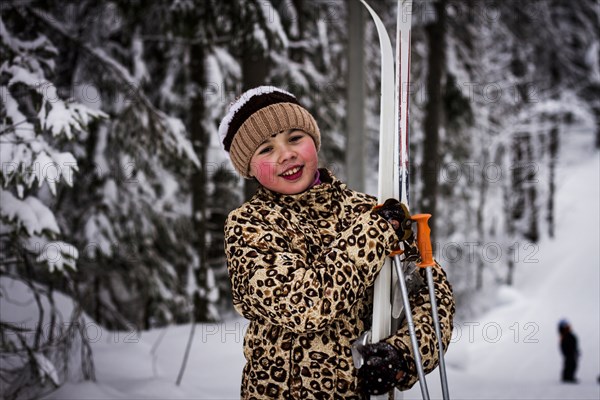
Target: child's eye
296, 138
264, 150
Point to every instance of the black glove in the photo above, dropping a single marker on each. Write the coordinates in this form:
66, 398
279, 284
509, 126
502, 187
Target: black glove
396, 214
382, 368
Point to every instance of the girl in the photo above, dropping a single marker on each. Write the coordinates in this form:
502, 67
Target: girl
302, 255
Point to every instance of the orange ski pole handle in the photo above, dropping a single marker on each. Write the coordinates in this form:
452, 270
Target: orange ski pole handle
424, 240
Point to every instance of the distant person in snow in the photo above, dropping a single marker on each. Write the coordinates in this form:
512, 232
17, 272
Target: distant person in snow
570, 352
302, 255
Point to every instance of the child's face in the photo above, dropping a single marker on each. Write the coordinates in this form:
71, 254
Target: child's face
286, 162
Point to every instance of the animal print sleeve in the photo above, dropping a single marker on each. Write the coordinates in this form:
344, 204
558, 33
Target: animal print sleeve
277, 285
421, 312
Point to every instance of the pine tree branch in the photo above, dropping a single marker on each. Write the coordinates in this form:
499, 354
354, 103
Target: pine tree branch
12, 127
185, 41
158, 120
121, 74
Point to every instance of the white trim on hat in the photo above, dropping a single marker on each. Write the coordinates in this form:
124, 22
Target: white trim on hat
239, 103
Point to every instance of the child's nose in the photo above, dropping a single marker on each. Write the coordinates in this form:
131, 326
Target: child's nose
286, 154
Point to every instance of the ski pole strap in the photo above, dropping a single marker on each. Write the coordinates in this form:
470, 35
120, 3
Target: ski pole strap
396, 253
424, 240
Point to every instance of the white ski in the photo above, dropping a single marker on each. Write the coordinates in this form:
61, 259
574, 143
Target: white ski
393, 147
388, 184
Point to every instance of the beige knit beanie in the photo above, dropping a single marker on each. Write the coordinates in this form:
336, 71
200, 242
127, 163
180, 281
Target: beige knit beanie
258, 114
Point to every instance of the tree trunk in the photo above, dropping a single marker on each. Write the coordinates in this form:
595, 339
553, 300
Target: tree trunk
255, 70
553, 156
436, 64
522, 207
533, 232
596, 110
517, 200
480, 222
355, 119
510, 274
509, 192
297, 53
198, 186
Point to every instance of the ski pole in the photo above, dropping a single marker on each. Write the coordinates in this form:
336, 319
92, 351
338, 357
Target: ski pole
427, 262
411, 328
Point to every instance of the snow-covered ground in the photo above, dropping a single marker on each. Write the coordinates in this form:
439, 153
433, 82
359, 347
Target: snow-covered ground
509, 353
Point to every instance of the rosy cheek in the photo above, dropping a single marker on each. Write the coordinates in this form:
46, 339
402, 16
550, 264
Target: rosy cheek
263, 169
309, 154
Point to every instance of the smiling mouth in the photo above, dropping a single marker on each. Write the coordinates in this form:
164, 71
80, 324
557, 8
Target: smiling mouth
291, 171
293, 174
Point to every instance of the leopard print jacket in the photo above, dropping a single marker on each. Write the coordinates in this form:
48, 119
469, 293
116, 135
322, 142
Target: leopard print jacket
302, 269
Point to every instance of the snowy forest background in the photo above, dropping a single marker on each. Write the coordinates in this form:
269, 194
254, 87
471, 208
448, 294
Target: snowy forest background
114, 188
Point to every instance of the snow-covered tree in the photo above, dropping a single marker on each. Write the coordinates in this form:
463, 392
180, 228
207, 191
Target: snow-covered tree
36, 122
132, 216
513, 76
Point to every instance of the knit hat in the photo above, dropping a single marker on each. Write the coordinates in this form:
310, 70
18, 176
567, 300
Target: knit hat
257, 115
